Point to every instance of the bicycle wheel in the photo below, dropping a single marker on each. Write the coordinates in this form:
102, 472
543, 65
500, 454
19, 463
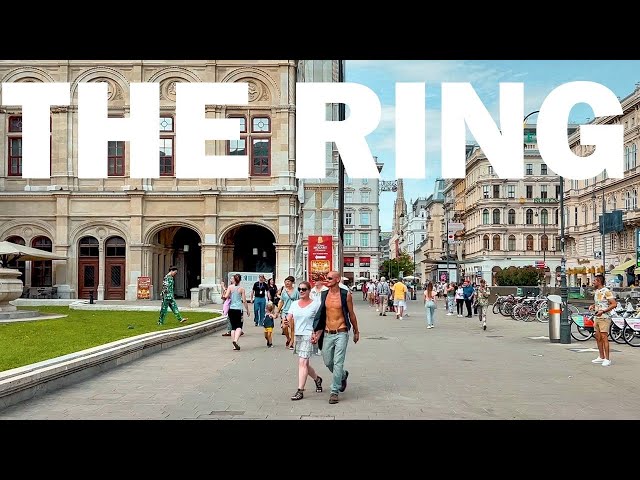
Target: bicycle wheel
542, 315
581, 334
631, 336
573, 308
615, 332
496, 308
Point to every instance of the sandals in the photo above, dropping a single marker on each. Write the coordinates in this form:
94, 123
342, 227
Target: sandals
318, 382
299, 395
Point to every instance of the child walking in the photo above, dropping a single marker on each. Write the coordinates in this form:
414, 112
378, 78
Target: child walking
269, 322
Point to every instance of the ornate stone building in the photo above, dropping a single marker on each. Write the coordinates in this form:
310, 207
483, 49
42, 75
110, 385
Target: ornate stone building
587, 251
117, 229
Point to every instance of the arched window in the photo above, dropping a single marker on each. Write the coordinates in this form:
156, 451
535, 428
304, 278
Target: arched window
89, 247
41, 270
115, 247
544, 216
496, 217
485, 217
544, 243
529, 217
529, 242
511, 217
485, 242
496, 242
512, 243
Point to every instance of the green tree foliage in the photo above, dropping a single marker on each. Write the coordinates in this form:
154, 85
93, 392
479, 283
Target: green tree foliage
402, 263
519, 276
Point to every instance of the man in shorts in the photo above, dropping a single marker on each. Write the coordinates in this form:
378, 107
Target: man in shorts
604, 302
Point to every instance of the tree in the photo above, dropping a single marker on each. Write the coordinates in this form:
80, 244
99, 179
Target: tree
519, 276
392, 268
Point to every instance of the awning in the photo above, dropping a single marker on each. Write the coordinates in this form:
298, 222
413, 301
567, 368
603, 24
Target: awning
621, 269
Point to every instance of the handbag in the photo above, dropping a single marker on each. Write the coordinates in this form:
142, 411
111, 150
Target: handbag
225, 306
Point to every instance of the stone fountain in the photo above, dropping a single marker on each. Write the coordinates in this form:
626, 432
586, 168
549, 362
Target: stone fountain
11, 289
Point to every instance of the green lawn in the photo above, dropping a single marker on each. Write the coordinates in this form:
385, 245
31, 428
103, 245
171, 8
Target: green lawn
23, 343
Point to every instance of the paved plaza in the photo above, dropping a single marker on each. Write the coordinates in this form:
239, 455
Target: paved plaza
398, 370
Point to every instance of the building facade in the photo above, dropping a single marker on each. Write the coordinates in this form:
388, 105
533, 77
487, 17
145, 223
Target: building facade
319, 197
511, 222
362, 255
413, 232
117, 229
433, 264
588, 252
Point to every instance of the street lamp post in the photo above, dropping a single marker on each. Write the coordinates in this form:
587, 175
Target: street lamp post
544, 248
565, 327
593, 197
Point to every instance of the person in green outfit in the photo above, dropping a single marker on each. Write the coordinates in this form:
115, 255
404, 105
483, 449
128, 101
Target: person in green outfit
168, 299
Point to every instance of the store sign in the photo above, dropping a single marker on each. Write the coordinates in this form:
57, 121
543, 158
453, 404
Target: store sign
455, 232
638, 247
320, 257
545, 200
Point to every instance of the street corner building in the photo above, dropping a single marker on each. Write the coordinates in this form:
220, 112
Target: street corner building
118, 230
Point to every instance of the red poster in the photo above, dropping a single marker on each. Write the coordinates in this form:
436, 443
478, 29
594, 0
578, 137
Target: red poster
320, 257
144, 285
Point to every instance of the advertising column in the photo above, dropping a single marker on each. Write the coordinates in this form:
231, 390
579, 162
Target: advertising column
320, 257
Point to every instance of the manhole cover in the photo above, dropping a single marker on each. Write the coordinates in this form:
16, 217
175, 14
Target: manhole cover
227, 412
377, 338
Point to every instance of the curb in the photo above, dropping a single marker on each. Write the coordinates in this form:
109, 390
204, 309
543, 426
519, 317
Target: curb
29, 381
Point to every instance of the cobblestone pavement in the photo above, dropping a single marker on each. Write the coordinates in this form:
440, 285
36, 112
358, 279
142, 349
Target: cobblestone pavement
398, 370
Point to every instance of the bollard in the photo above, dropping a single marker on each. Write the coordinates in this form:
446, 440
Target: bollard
555, 309
91, 297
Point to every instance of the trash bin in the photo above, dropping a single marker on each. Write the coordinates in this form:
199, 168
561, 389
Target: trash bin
554, 303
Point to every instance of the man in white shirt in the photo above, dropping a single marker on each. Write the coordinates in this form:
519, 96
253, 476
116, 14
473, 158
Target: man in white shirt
604, 303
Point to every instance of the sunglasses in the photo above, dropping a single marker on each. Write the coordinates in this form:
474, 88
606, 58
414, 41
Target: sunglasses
302, 289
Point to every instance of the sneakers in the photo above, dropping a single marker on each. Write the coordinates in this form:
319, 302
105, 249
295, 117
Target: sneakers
429, 326
449, 314
333, 398
606, 363
182, 320
597, 360
343, 387
484, 325
236, 346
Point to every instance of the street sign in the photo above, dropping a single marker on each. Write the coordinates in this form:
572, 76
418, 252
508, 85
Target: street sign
597, 255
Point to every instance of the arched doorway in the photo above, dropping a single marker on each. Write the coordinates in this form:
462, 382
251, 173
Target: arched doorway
41, 270
114, 268
19, 265
88, 267
249, 248
179, 246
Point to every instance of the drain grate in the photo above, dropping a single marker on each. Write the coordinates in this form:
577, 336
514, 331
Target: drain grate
227, 412
495, 336
377, 338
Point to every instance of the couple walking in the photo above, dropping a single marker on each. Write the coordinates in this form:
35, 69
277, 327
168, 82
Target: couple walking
324, 323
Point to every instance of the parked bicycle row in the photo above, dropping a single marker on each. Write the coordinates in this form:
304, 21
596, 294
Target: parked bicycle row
624, 328
526, 309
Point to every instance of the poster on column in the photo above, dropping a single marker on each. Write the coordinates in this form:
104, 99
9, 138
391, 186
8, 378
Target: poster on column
144, 288
320, 257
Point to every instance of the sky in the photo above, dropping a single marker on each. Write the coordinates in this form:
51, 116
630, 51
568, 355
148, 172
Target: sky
540, 77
